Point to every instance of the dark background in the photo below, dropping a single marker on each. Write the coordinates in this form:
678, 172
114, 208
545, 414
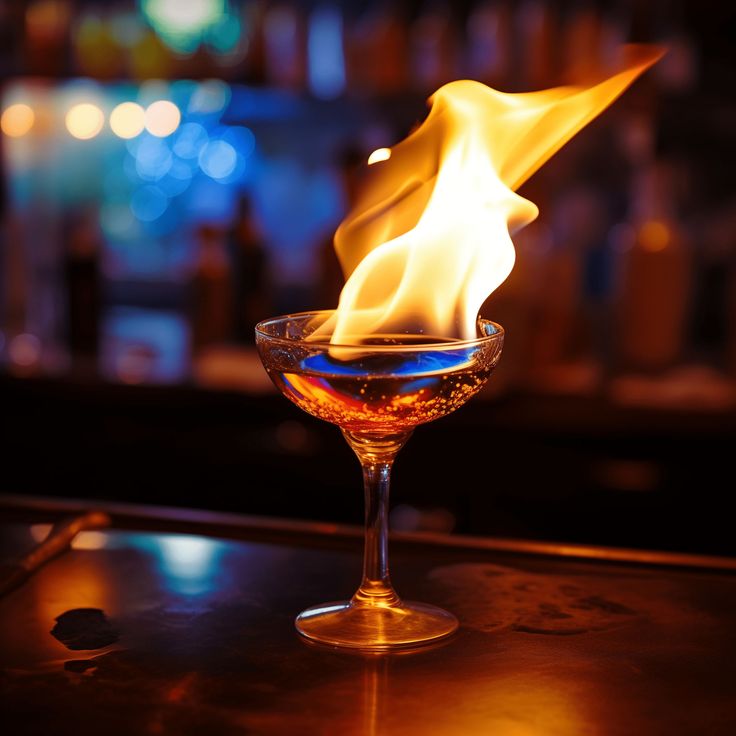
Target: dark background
126, 365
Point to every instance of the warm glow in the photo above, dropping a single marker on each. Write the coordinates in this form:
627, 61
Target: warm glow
84, 121
380, 154
162, 118
39, 532
429, 238
654, 236
127, 120
17, 120
83, 540
89, 540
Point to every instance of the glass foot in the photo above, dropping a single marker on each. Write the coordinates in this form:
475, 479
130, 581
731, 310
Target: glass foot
376, 628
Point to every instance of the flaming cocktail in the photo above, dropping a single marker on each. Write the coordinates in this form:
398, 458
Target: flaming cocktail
428, 240
376, 390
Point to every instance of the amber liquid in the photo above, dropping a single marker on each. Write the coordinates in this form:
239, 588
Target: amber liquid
384, 392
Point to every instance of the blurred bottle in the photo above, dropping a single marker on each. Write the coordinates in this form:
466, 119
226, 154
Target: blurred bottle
14, 277
211, 291
713, 326
654, 275
581, 44
678, 70
615, 30
96, 48
46, 37
326, 54
568, 301
680, 66
284, 38
731, 317
252, 67
82, 245
249, 273
377, 59
488, 45
535, 29
350, 165
150, 57
433, 43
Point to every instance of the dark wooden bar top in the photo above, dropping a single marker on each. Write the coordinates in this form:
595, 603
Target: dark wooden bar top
182, 623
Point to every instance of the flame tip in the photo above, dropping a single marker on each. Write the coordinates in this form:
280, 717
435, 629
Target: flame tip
430, 237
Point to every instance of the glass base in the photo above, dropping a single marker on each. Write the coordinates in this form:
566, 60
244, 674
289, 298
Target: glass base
376, 628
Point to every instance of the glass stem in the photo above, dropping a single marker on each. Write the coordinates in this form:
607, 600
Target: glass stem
376, 455
376, 589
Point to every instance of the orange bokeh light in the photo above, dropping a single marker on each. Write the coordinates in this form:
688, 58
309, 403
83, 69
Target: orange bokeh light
17, 120
84, 121
654, 236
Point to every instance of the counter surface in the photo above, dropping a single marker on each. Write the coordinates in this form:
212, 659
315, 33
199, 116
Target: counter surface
173, 625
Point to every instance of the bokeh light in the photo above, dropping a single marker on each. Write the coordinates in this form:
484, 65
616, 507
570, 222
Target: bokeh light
190, 140
223, 36
181, 24
218, 159
17, 120
211, 96
126, 27
117, 221
654, 236
127, 120
326, 58
241, 138
149, 203
177, 178
25, 350
153, 159
162, 118
84, 121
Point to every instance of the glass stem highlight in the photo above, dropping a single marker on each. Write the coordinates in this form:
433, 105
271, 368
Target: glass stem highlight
376, 455
376, 588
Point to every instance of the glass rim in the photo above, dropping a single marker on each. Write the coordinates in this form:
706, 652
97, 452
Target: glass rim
498, 334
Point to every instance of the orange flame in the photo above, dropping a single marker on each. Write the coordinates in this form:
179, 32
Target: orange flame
429, 239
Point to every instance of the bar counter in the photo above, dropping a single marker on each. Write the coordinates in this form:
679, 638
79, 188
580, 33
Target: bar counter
176, 622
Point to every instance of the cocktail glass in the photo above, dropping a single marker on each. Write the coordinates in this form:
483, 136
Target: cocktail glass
377, 389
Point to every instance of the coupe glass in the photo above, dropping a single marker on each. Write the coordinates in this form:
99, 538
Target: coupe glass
376, 389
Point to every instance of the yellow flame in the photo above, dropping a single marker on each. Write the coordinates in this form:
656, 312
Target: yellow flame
429, 238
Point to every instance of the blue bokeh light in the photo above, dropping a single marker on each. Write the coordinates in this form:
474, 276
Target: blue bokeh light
153, 159
177, 179
224, 35
190, 140
218, 159
148, 203
241, 139
117, 221
209, 97
326, 58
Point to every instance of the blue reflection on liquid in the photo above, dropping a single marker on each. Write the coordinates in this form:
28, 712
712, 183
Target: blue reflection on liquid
386, 364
